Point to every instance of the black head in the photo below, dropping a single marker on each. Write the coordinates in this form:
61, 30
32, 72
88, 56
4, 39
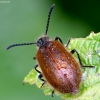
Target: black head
43, 40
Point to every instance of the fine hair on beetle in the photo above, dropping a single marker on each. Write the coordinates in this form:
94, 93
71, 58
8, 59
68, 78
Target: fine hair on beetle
58, 66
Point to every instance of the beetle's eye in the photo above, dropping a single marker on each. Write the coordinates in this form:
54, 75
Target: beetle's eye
39, 43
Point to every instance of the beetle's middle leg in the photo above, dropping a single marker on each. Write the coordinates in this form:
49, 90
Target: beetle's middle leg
40, 75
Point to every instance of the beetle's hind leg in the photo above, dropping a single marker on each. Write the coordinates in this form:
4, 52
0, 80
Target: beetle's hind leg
40, 76
74, 51
52, 94
58, 38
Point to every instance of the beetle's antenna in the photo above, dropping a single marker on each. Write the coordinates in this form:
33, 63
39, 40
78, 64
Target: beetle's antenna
22, 44
49, 18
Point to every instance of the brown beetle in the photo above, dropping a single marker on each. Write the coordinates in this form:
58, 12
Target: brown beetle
58, 65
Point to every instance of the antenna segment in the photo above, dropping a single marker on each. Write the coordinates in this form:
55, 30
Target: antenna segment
49, 18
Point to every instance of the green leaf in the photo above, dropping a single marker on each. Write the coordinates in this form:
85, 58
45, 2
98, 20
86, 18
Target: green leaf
89, 50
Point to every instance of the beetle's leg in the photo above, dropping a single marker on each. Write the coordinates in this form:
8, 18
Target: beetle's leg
36, 68
52, 94
34, 58
40, 76
58, 38
68, 42
73, 51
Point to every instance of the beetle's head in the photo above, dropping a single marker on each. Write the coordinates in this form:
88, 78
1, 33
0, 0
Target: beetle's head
42, 41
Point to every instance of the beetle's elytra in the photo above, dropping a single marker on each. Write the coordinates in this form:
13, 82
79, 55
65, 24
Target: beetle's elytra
59, 67
57, 64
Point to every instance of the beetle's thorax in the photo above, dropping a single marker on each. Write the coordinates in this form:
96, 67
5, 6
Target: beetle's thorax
42, 41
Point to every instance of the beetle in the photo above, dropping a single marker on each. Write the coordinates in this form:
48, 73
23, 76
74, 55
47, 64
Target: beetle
58, 66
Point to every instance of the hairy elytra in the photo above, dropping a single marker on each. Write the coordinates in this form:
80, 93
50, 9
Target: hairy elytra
59, 67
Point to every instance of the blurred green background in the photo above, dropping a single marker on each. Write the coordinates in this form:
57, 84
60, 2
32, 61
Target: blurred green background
25, 21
